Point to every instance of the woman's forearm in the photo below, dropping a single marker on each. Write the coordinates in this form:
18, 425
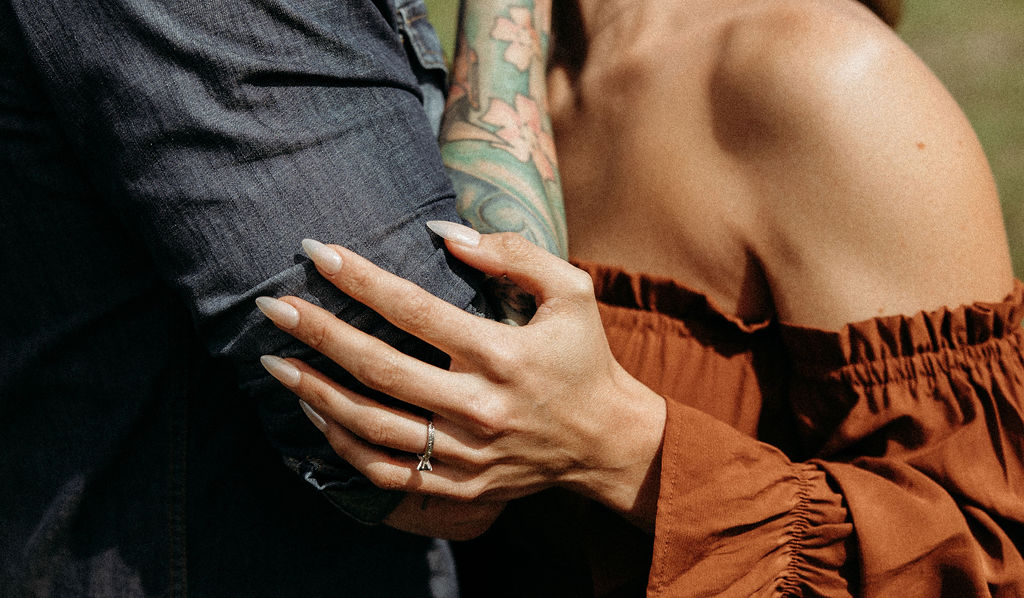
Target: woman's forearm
496, 138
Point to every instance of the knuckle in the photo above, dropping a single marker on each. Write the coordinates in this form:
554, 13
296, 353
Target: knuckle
385, 478
489, 418
514, 244
381, 373
317, 395
476, 459
499, 357
377, 431
318, 335
417, 312
359, 281
468, 491
580, 284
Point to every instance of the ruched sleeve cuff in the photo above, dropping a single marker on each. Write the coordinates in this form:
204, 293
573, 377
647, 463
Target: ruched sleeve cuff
917, 426
737, 518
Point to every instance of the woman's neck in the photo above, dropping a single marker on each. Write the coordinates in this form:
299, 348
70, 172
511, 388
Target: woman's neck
603, 17
616, 17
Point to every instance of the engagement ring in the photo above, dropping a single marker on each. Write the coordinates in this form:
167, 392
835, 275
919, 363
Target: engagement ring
428, 451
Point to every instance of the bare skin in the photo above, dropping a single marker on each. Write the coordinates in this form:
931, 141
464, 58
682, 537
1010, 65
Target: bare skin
788, 159
791, 159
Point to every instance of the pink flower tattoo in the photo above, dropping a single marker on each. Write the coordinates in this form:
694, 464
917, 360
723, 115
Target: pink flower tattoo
524, 41
521, 130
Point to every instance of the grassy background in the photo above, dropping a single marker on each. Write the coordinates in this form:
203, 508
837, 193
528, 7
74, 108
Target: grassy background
977, 49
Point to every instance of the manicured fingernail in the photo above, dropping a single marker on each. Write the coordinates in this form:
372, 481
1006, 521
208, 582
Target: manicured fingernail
288, 374
323, 256
278, 311
313, 416
454, 232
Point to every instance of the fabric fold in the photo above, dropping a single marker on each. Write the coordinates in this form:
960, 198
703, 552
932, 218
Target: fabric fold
882, 459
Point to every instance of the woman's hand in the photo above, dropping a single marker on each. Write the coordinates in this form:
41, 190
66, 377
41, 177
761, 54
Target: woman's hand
443, 518
521, 408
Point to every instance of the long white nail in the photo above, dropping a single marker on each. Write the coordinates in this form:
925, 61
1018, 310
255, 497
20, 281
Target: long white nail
288, 374
454, 232
278, 311
323, 256
313, 416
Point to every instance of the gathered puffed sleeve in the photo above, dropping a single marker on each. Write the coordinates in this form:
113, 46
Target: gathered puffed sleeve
914, 485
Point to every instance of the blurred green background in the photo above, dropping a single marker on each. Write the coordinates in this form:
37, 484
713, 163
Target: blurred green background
977, 49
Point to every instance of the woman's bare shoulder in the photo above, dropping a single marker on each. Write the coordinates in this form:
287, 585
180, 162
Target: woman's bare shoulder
870, 192
776, 63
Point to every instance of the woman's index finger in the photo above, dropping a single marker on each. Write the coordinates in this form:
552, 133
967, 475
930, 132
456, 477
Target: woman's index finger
370, 360
401, 302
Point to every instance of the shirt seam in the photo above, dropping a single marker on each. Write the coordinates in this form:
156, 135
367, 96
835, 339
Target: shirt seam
658, 567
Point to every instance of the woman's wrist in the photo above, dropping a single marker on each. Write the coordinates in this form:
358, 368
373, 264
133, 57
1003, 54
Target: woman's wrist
624, 474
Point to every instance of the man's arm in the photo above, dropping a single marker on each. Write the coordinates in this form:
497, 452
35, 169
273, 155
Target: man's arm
497, 145
496, 138
222, 135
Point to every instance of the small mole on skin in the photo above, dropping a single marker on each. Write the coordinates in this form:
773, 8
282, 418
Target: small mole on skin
920, 145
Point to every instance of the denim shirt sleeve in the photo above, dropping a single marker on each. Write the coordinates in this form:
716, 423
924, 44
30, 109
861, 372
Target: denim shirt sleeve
222, 134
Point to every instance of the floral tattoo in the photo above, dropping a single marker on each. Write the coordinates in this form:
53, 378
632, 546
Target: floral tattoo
496, 127
496, 139
524, 40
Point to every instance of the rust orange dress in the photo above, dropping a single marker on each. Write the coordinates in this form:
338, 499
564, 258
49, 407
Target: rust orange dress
885, 459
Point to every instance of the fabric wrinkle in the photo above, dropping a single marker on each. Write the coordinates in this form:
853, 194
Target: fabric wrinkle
906, 456
184, 152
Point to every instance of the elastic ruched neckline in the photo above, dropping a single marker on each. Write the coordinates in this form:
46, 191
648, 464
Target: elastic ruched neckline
662, 295
900, 436
895, 339
888, 340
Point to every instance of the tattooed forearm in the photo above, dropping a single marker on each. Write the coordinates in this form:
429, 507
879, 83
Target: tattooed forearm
496, 138
490, 208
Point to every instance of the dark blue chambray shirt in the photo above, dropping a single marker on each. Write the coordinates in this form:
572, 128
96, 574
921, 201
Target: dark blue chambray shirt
160, 162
